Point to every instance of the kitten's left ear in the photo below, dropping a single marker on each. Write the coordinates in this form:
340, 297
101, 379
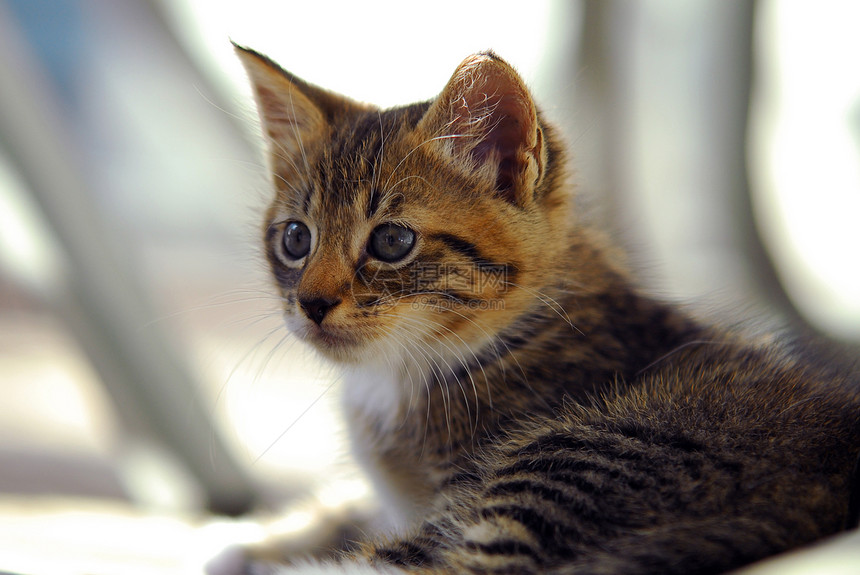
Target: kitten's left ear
295, 115
485, 117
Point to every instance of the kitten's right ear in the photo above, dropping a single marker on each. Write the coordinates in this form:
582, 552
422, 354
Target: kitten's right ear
486, 120
295, 115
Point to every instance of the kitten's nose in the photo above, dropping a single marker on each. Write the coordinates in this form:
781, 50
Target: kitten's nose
317, 308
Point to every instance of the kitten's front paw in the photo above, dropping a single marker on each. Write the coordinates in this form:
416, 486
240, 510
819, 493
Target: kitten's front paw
257, 559
246, 560
237, 561
310, 530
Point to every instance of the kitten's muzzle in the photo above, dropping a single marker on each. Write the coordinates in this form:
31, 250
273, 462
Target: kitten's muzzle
317, 308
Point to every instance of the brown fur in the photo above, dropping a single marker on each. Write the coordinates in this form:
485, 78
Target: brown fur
555, 420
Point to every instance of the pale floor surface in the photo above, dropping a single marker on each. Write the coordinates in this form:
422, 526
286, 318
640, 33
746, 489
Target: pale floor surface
68, 537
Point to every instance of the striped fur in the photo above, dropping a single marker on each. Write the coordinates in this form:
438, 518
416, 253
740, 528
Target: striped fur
526, 407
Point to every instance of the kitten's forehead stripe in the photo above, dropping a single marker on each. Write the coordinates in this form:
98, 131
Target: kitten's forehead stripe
373, 202
306, 200
350, 171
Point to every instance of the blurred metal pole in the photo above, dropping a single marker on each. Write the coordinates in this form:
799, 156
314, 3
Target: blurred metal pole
698, 108
152, 389
760, 267
666, 85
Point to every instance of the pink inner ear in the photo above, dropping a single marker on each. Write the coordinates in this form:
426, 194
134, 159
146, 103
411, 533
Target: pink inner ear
503, 142
279, 112
495, 110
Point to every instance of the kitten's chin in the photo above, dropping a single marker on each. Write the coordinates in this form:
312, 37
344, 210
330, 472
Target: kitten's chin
335, 344
336, 347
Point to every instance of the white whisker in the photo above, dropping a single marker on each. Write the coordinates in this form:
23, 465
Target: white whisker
295, 421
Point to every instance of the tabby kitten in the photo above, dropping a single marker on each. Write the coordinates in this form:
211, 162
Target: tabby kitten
516, 400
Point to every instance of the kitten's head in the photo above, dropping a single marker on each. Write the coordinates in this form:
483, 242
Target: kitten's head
416, 232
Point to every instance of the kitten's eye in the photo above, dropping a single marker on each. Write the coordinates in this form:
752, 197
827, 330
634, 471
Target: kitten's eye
390, 242
297, 240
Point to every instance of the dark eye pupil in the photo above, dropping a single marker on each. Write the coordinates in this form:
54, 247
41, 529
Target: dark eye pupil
390, 242
297, 240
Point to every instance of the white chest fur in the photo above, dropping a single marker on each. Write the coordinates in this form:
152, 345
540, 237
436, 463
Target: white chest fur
375, 392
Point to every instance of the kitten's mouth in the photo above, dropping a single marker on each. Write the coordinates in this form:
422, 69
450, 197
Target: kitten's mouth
332, 340
329, 339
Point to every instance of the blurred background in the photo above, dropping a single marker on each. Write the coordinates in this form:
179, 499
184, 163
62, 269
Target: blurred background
142, 360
